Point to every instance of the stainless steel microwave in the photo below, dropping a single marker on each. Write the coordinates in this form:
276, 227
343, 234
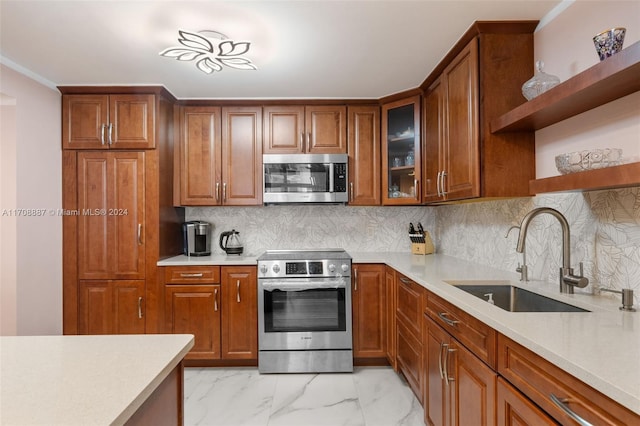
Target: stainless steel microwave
305, 178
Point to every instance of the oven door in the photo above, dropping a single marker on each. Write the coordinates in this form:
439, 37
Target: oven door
304, 313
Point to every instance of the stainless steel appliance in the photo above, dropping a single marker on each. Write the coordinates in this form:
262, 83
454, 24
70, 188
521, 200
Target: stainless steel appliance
305, 178
196, 237
304, 311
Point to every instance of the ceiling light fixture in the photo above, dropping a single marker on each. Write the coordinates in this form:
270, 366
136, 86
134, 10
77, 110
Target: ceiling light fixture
212, 50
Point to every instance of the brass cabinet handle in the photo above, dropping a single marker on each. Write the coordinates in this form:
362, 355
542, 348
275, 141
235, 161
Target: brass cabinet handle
561, 403
193, 275
238, 291
224, 191
139, 234
443, 317
140, 307
215, 300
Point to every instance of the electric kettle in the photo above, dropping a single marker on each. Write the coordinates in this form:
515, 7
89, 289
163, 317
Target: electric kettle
230, 242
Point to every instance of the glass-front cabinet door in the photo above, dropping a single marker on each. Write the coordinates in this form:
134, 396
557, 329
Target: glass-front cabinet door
401, 152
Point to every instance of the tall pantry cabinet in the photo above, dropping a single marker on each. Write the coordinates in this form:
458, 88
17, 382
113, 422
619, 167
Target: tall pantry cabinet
118, 216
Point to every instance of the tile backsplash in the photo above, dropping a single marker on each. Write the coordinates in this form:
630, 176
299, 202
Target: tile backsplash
605, 232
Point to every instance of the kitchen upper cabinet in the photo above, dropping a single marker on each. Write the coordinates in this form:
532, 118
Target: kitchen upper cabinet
220, 156
311, 129
369, 311
111, 215
239, 312
480, 79
111, 307
364, 155
119, 121
401, 168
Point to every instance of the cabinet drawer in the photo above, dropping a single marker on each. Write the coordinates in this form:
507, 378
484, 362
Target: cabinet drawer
409, 358
410, 304
538, 379
192, 274
472, 333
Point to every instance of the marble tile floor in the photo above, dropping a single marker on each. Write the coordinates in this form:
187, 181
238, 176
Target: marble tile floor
371, 396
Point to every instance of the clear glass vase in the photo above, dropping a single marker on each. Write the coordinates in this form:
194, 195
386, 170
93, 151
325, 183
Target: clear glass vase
539, 83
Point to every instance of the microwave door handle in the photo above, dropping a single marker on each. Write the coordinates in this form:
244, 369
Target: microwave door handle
331, 178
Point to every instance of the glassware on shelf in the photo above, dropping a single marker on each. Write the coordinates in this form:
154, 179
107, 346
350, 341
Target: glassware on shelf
397, 162
539, 83
410, 159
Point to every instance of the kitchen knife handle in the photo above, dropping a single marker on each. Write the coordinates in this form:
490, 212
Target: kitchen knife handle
238, 291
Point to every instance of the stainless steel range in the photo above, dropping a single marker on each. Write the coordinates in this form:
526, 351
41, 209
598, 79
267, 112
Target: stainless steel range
304, 311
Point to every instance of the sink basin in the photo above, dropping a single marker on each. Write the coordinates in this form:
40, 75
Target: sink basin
516, 299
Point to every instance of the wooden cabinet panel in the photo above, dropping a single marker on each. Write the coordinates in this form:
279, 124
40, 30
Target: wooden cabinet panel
192, 274
283, 130
410, 304
242, 156
369, 311
108, 121
326, 127
538, 379
390, 308
239, 312
364, 155
409, 358
111, 215
437, 398
111, 307
461, 145
434, 127
200, 156
195, 309
514, 409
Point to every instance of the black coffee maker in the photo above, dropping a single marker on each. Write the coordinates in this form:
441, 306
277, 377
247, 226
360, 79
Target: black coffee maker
196, 238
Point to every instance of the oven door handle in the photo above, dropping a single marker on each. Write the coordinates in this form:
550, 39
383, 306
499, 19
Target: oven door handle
293, 284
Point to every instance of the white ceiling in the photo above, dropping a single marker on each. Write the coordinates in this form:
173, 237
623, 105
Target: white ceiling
303, 49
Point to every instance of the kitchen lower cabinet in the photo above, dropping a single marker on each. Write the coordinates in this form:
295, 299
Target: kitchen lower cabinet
390, 313
218, 305
111, 307
369, 311
514, 409
460, 388
239, 312
410, 300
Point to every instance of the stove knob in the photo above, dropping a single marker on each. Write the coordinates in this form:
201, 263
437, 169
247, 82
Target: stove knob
332, 268
276, 268
263, 269
345, 267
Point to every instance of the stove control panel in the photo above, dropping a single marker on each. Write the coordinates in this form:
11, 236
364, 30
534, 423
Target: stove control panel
304, 268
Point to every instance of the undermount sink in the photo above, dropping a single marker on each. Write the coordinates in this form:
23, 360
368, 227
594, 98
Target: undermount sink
515, 299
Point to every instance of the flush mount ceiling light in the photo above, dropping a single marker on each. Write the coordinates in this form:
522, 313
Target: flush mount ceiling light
211, 50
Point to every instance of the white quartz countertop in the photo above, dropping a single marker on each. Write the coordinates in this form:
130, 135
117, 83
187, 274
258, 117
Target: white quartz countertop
83, 380
601, 347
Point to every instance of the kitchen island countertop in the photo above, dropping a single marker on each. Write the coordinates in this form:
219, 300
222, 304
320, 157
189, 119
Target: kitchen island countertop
600, 347
83, 380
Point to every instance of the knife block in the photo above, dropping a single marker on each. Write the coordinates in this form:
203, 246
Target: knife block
425, 247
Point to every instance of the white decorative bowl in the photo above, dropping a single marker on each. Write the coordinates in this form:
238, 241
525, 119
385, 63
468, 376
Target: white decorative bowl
580, 161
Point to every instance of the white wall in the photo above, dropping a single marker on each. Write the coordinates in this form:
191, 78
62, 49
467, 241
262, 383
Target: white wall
38, 185
565, 45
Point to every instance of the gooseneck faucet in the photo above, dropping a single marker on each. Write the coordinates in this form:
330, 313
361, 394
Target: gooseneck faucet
567, 280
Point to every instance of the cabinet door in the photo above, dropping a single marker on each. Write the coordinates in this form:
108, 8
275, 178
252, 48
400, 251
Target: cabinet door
111, 307
514, 409
472, 385
326, 128
200, 156
195, 309
461, 147
369, 311
434, 126
239, 312
84, 121
401, 169
111, 215
390, 284
410, 304
242, 156
364, 155
409, 358
131, 122
436, 402
284, 130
